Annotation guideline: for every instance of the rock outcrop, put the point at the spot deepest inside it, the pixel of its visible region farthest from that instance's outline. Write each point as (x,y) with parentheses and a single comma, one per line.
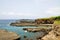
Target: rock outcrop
(54,34)
(5,35)
(37,29)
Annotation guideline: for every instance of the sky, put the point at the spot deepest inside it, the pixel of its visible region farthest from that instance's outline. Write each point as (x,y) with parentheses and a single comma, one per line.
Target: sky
(29,9)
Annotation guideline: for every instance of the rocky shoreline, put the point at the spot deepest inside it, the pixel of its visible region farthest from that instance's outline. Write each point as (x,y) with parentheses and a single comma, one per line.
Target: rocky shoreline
(37,29)
(36,22)
(30,24)
(5,35)
(47,34)
(54,34)
(43,31)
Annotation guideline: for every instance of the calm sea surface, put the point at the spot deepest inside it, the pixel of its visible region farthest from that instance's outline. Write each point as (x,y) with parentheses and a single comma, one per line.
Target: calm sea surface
(4,24)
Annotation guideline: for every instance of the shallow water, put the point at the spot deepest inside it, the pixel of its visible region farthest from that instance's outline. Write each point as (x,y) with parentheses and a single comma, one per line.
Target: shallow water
(4,24)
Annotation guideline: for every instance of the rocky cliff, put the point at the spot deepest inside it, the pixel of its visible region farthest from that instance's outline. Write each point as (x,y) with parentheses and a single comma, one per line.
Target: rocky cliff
(54,34)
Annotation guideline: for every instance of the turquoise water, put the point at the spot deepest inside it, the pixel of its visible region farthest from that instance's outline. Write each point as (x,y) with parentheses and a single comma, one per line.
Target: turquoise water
(4,24)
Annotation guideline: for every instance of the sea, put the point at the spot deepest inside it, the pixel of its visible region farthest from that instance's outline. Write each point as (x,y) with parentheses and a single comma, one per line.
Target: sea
(5,25)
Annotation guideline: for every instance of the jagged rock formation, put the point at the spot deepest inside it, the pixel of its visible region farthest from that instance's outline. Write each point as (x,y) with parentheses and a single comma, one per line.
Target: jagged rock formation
(47,20)
(54,34)
(44,21)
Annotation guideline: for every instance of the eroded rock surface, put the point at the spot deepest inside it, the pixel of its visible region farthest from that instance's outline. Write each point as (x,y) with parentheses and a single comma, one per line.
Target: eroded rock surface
(54,34)
(5,35)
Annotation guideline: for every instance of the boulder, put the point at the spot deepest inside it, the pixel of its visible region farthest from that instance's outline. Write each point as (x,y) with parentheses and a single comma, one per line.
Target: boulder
(5,35)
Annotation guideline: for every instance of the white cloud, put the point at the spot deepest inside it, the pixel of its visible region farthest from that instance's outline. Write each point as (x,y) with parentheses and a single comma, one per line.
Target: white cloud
(46,13)
(53,11)
(13,15)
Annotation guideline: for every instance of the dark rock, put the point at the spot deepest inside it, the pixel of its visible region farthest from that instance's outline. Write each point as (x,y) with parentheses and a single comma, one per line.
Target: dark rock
(39,37)
(24,29)
(25,36)
(17,39)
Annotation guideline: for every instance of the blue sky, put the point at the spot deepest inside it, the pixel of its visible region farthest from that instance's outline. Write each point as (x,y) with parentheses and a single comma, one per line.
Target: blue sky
(29,9)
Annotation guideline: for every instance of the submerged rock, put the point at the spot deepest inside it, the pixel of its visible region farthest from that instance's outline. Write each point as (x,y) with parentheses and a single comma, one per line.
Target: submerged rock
(5,35)
(25,36)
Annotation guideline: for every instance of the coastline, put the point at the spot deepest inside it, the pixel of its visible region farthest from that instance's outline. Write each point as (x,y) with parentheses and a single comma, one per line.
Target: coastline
(47,34)
(29,24)
(55,33)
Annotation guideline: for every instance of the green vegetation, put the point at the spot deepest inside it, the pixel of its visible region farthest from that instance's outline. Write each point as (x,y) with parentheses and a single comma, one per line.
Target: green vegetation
(55,18)
(57,22)
(47,20)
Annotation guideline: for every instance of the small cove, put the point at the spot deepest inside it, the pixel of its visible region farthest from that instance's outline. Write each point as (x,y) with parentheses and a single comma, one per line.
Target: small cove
(4,24)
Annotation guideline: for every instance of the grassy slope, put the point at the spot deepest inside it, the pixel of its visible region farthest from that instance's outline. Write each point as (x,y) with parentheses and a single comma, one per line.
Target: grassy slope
(57,22)
(51,19)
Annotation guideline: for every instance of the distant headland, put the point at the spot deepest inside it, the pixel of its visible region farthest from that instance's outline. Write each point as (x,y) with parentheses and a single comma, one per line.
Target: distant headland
(36,22)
